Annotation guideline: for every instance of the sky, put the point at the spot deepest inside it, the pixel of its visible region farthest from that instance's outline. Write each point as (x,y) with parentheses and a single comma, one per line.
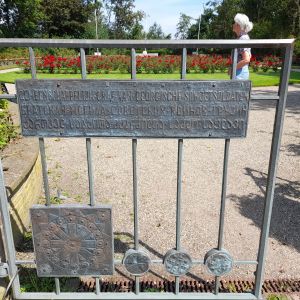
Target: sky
(167,12)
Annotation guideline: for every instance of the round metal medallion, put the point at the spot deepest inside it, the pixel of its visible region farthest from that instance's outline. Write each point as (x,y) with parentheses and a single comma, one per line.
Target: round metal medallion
(177,262)
(218,262)
(137,262)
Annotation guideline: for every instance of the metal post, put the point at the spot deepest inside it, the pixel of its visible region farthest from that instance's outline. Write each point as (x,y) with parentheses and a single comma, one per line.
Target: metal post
(134,175)
(234,57)
(222,207)
(88,141)
(57,286)
(183,64)
(98,290)
(32,63)
(8,236)
(44,170)
(273,162)
(178,206)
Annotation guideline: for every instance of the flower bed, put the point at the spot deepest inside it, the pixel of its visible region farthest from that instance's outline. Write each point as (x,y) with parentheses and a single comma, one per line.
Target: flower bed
(145,64)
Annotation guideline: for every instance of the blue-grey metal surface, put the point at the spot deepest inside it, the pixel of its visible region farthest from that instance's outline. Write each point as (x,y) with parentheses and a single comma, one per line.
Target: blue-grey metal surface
(218,262)
(137,262)
(8,238)
(150,44)
(287,45)
(177,262)
(212,109)
(272,171)
(72,240)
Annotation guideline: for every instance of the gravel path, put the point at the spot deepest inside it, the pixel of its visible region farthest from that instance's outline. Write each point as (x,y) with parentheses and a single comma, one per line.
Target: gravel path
(202,171)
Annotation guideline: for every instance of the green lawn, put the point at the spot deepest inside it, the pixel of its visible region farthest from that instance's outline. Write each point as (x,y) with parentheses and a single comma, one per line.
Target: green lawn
(258,79)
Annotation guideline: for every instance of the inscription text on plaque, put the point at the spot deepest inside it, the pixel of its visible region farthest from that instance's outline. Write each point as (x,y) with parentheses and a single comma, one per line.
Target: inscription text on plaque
(179,109)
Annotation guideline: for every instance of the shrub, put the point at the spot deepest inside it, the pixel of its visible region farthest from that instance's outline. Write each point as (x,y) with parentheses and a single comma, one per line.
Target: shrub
(7,129)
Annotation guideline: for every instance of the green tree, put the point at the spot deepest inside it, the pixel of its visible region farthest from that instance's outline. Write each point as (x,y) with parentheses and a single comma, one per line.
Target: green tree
(67,18)
(207,18)
(20,18)
(126,22)
(155,33)
(183,26)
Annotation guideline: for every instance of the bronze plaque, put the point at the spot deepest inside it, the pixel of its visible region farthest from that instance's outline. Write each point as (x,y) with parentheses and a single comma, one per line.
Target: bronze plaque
(72,240)
(101,108)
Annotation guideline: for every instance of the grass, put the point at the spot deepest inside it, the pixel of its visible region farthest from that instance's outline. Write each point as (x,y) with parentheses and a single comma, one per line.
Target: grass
(258,79)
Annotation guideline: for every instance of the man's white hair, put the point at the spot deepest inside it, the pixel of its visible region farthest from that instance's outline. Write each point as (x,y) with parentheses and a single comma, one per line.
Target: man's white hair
(244,22)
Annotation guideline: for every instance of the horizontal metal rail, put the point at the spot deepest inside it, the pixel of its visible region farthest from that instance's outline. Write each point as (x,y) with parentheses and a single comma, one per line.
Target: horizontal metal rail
(153,261)
(75,43)
(125,296)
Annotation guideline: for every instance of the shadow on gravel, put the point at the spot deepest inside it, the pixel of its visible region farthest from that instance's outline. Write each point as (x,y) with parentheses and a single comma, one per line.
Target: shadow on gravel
(292,104)
(285,223)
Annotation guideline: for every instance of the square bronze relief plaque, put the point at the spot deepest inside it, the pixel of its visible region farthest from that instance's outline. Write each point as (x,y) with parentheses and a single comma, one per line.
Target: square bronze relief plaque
(72,240)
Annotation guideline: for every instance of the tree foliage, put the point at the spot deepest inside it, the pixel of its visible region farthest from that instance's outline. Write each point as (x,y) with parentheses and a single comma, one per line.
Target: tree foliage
(67,17)
(155,32)
(126,22)
(20,18)
(183,26)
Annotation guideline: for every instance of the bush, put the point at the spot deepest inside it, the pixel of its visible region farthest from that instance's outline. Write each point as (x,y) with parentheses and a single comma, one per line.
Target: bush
(7,129)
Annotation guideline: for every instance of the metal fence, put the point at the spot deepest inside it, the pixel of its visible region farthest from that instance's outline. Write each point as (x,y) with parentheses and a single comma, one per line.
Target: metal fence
(12,263)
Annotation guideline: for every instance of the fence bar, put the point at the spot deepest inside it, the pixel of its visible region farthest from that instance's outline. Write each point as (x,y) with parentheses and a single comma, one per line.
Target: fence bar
(133,64)
(32,63)
(88,142)
(183,64)
(178,202)
(135,198)
(153,261)
(44,170)
(132,296)
(273,162)
(134,174)
(234,57)
(7,236)
(57,286)
(83,63)
(151,44)
(98,290)
(223,194)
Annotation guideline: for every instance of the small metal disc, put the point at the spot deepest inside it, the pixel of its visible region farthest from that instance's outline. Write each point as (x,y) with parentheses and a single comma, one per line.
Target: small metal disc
(177,262)
(218,262)
(136,262)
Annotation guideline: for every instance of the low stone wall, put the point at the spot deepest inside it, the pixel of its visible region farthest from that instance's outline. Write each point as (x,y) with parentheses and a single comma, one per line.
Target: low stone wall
(23,181)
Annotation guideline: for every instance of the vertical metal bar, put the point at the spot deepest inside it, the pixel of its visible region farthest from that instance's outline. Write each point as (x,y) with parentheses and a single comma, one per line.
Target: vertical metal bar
(133,64)
(135,198)
(90,171)
(98,290)
(57,286)
(183,64)
(32,63)
(222,207)
(44,170)
(134,175)
(83,63)
(88,141)
(234,57)
(223,194)
(272,171)
(178,205)
(179,176)
(224,178)
(178,201)
(8,236)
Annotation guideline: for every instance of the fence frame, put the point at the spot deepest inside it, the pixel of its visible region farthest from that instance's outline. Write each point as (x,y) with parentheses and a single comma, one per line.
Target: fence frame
(285,44)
